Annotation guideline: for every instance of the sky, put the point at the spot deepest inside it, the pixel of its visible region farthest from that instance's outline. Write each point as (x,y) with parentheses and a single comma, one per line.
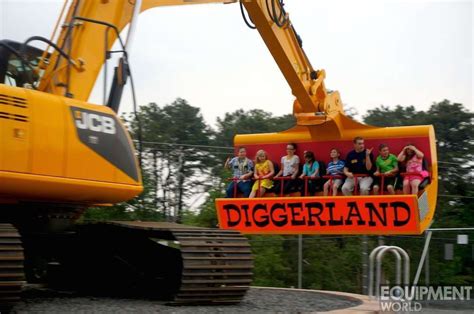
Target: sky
(375,52)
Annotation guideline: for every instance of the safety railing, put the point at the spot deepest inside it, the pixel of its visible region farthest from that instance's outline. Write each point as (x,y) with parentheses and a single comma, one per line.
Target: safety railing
(306,181)
(282,183)
(382,177)
(331,178)
(259,180)
(376,256)
(236,181)
(356,179)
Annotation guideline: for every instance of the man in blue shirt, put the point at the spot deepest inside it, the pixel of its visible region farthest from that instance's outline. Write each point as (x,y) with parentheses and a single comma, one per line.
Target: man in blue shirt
(242,169)
(360,162)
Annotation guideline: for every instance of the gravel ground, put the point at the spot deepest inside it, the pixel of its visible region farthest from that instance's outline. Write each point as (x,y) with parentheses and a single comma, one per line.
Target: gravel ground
(256,301)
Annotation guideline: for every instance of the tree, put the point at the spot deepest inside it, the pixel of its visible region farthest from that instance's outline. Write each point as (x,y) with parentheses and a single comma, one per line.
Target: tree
(248,122)
(384,116)
(171,154)
(142,207)
(270,265)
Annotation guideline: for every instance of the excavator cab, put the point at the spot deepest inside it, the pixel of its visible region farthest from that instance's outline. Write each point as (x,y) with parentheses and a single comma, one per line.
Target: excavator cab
(18,64)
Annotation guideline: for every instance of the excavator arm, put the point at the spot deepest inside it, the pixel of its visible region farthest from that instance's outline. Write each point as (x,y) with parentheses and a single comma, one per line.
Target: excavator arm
(87,34)
(91,28)
(312,99)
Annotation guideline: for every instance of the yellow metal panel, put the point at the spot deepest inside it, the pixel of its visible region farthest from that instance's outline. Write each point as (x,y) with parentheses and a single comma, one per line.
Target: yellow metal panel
(15,117)
(15,158)
(323,132)
(23,186)
(48,138)
(2,144)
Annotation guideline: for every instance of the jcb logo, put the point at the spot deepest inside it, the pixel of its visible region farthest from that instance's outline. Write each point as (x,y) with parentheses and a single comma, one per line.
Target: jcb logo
(94,122)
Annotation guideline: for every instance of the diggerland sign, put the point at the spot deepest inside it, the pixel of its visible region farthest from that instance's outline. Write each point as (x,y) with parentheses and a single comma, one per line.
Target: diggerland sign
(394,214)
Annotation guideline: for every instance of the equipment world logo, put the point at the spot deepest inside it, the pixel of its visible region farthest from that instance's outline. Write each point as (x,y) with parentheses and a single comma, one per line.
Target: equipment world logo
(412,299)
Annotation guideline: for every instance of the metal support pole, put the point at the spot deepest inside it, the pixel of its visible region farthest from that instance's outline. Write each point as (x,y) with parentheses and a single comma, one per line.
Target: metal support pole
(380,241)
(300,261)
(423,256)
(374,252)
(398,271)
(427,268)
(305,186)
(365,265)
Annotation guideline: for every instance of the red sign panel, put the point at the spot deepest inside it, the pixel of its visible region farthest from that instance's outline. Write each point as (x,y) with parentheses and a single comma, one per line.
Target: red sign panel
(387,214)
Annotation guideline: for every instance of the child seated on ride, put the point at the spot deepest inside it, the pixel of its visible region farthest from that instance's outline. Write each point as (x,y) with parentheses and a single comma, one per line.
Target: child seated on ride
(387,165)
(289,169)
(335,168)
(242,171)
(413,158)
(311,171)
(264,170)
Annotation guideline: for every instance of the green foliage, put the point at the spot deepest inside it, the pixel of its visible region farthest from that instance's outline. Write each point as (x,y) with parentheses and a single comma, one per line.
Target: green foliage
(399,116)
(332,264)
(249,122)
(142,207)
(207,216)
(270,265)
(171,158)
(178,122)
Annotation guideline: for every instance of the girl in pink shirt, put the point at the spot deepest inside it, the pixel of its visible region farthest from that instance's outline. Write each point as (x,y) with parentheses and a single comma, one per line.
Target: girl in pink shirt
(413,159)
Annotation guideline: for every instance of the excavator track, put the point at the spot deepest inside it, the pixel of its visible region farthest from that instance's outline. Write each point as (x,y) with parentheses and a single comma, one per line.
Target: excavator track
(217,266)
(191,265)
(12,277)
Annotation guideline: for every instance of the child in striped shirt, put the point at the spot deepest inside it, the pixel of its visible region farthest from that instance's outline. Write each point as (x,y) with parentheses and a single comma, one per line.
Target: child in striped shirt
(334,168)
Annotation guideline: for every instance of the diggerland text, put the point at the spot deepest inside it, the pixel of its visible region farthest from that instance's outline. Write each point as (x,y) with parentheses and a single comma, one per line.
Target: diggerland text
(320,215)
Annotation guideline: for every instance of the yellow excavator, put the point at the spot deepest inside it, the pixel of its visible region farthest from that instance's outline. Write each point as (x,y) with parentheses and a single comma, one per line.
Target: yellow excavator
(61,154)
